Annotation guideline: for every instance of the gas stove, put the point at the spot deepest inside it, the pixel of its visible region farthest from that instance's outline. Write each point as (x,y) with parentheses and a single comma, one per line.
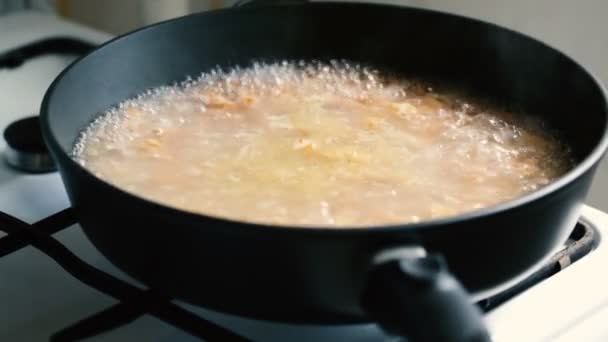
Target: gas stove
(54,285)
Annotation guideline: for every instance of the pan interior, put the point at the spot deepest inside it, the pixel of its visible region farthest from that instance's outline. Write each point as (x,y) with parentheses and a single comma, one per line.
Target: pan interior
(513,70)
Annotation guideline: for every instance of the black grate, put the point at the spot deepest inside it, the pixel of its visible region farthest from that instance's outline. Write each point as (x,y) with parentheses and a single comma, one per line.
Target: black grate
(582,240)
(135,302)
(14,58)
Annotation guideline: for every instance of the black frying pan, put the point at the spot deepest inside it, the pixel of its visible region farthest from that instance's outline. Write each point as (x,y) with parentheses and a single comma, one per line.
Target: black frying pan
(395,275)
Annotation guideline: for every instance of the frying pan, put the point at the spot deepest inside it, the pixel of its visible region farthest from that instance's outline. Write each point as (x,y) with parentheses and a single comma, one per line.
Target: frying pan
(415,280)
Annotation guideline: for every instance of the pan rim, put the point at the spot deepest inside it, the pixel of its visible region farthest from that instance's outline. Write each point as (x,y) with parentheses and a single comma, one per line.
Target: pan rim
(571,176)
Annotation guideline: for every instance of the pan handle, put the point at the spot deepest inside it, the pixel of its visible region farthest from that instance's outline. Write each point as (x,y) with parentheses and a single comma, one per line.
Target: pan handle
(249,3)
(412,294)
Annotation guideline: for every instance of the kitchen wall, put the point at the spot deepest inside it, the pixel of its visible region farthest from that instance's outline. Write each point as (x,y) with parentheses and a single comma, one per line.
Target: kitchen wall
(578,28)
(120,16)
(17,5)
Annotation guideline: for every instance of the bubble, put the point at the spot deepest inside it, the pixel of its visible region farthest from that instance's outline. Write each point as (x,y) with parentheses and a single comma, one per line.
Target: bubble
(461,137)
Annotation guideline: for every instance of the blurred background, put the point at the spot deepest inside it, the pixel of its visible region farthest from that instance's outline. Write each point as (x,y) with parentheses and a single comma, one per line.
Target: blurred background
(579,28)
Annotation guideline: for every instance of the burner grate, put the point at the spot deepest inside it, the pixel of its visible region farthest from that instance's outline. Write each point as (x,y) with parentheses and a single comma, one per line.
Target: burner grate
(56,45)
(582,240)
(135,302)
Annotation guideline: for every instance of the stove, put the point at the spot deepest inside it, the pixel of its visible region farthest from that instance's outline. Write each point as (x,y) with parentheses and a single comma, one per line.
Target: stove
(54,285)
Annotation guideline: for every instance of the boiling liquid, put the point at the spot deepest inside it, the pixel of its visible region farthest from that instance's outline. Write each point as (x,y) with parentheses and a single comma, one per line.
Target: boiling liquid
(318,144)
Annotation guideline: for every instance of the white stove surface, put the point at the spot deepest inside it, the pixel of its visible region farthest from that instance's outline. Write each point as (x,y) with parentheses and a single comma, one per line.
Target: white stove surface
(38,298)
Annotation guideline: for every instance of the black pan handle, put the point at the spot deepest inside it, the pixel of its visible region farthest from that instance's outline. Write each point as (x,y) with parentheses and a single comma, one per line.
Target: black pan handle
(249,3)
(413,295)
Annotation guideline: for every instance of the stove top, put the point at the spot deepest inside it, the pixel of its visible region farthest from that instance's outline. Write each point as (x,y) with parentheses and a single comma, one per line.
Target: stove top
(54,283)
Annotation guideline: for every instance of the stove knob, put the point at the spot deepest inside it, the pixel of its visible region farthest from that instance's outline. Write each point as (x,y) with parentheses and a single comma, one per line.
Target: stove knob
(26,150)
